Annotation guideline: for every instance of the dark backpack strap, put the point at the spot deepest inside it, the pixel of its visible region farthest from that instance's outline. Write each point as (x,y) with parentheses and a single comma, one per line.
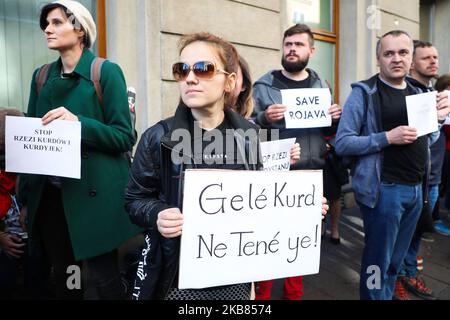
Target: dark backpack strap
(42,76)
(96,73)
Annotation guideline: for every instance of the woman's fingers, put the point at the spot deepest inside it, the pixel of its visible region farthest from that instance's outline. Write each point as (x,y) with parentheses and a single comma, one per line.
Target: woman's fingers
(60,113)
(170,222)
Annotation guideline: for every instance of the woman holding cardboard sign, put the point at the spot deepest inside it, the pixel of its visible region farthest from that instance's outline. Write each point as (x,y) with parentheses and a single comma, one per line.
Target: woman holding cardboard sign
(206,75)
(81,220)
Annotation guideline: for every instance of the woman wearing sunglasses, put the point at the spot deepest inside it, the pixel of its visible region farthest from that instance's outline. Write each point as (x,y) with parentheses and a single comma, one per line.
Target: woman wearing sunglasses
(206,75)
(81,219)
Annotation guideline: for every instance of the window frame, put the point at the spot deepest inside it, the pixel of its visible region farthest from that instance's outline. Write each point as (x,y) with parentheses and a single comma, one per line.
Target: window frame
(332,37)
(101,29)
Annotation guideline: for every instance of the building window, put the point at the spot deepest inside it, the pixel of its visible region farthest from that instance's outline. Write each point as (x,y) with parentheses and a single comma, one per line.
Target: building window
(23,47)
(322,17)
(427,20)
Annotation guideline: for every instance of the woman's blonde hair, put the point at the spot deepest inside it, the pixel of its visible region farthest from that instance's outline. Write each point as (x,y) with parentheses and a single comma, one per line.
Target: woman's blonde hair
(244,101)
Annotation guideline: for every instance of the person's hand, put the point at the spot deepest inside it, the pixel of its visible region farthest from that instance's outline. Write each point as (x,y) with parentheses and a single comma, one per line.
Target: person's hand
(295,153)
(442,106)
(23,218)
(325,207)
(11,244)
(401,135)
(335,111)
(170,222)
(60,113)
(275,112)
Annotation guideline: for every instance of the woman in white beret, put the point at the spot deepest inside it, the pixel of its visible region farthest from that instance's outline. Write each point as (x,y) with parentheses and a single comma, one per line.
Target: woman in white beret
(81,220)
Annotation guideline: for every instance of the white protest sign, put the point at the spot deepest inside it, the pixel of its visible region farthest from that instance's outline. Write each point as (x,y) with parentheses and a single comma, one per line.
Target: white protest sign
(307,108)
(276,155)
(54,149)
(245,226)
(422,113)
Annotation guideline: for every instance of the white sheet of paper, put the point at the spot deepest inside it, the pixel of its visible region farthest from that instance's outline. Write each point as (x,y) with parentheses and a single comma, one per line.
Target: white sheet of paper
(266,226)
(54,149)
(422,113)
(276,154)
(307,108)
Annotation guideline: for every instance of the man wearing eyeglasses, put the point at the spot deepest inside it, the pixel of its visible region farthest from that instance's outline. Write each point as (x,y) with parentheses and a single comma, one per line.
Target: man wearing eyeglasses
(389,165)
(298,47)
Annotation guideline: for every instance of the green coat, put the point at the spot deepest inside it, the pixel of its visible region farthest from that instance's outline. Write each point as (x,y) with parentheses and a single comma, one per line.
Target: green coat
(94,204)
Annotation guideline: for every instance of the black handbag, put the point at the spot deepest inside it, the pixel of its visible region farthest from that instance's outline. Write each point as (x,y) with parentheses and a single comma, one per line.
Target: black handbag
(338,169)
(425,222)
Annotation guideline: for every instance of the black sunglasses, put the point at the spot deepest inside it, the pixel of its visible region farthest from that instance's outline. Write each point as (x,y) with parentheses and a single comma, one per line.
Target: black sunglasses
(202,70)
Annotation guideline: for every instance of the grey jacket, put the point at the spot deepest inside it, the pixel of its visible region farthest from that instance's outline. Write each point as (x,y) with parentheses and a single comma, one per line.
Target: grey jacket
(360,136)
(266,91)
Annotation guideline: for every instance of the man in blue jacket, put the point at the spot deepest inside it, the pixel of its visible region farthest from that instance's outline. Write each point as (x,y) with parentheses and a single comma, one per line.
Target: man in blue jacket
(389,163)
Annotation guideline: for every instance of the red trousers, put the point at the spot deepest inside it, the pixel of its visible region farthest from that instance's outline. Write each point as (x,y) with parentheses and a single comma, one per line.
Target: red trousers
(293,289)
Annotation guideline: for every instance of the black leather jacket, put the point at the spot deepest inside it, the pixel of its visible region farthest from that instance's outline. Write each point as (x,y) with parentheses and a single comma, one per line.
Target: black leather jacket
(155,185)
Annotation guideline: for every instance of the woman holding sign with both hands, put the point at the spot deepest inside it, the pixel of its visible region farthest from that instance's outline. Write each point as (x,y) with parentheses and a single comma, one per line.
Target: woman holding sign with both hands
(81,220)
(206,76)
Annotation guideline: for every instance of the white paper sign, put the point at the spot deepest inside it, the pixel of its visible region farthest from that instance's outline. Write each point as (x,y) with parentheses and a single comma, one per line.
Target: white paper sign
(307,108)
(276,154)
(422,113)
(245,226)
(54,149)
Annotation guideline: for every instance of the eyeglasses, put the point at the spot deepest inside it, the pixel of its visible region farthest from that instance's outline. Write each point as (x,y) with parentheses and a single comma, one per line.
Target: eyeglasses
(202,70)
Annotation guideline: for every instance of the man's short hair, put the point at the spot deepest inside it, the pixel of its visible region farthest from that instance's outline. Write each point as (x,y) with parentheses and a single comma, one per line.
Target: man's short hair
(394,33)
(421,44)
(300,28)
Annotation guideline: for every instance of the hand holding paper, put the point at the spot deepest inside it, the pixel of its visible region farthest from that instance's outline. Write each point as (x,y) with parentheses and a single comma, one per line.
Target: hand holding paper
(335,111)
(60,113)
(170,222)
(295,153)
(275,112)
(401,135)
(447,119)
(443,105)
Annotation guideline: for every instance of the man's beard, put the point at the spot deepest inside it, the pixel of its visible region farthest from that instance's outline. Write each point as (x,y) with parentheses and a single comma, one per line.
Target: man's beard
(294,66)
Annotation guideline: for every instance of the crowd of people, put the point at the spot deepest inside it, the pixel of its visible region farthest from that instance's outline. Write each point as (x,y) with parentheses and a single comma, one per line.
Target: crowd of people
(50,223)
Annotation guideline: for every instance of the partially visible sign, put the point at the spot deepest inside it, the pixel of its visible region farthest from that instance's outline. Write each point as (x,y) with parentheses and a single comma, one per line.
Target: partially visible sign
(276,154)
